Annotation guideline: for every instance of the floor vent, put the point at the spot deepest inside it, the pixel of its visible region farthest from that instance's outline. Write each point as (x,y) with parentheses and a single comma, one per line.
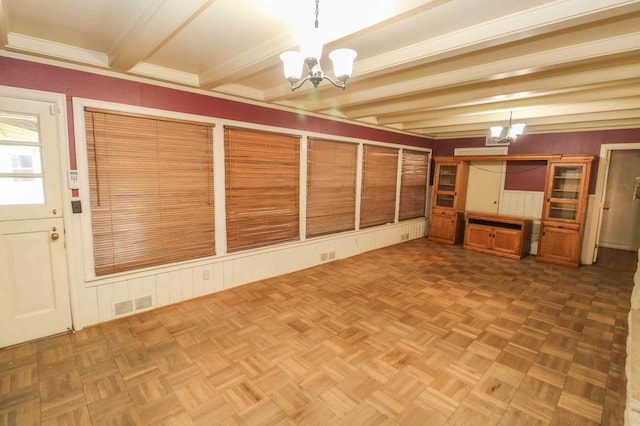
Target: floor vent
(132,305)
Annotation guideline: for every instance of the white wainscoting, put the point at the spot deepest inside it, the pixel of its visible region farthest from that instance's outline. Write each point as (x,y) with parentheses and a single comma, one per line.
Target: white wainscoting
(168,285)
(524,204)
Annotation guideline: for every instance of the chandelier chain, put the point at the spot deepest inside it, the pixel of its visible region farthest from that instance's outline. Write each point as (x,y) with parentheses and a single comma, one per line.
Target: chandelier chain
(317,12)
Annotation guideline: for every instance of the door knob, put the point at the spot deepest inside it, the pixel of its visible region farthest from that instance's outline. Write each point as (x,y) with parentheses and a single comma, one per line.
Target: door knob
(55,236)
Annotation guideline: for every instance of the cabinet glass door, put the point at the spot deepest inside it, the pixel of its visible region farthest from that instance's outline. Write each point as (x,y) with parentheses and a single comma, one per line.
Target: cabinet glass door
(446,188)
(447,178)
(566,182)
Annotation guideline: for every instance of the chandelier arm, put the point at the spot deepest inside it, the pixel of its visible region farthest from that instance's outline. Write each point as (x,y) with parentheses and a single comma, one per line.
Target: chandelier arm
(295,86)
(342,85)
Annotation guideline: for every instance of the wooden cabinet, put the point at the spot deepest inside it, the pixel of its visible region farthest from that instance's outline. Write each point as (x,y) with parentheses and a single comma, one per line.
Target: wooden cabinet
(563,215)
(446,226)
(446,223)
(499,235)
(559,243)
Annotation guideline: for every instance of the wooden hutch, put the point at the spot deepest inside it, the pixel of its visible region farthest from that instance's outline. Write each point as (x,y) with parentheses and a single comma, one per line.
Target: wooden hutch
(563,213)
(446,223)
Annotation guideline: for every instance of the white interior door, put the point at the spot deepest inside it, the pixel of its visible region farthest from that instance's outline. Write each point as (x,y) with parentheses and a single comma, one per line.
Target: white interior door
(483,189)
(34,288)
(621,211)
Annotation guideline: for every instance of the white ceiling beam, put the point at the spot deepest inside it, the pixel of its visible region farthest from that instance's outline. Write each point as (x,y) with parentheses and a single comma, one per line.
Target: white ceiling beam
(527,63)
(58,51)
(155,25)
(591,121)
(5,24)
(267,54)
(528,23)
(562,82)
(600,92)
(264,55)
(548,111)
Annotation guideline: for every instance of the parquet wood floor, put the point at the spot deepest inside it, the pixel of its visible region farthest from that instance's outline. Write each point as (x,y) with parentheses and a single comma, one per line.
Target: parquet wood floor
(618,259)
(415,334)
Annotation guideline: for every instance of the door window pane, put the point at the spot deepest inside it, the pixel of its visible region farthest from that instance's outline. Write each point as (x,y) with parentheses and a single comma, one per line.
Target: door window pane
(21,180)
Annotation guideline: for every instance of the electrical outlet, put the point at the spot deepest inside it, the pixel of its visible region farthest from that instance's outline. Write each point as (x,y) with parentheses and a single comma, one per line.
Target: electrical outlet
(205,274)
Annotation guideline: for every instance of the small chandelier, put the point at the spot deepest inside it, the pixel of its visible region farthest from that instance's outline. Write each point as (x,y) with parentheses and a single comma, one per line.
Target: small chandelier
(509,135)
(309,55)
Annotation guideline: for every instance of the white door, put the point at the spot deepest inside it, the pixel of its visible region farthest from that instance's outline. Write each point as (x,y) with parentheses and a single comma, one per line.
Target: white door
(34,288)
(483,189)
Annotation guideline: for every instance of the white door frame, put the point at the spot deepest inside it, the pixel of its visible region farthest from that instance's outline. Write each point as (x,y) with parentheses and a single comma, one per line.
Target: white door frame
(60,103)
(594,218)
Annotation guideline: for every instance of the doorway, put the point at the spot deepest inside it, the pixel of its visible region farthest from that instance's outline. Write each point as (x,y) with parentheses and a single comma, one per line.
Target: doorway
(618,236)
(34,285)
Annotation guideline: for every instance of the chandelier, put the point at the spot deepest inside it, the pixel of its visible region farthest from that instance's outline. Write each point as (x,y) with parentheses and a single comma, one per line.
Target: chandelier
(510,134)
(309,55)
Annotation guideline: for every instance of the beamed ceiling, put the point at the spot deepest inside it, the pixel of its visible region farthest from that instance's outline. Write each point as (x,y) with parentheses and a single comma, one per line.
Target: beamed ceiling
(440,68)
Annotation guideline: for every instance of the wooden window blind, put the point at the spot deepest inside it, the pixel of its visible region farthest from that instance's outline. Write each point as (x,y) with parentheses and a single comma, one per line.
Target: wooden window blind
(262,188)
(331,186)
(379,177)
(413,184)
(151,185)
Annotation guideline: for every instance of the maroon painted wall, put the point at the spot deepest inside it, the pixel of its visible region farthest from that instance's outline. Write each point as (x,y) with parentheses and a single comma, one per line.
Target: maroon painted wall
(530,175)
(73,83)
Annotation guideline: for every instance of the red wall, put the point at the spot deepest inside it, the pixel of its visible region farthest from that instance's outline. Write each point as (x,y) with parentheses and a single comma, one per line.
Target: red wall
(527,176)
(530,175)
(32,75)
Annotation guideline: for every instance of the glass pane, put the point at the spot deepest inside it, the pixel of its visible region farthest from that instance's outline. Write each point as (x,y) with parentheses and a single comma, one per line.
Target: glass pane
(20,159)
(447,178)
(18,127)
(563,211)
(443,200)
(20,156)
(21,190)
(566,182)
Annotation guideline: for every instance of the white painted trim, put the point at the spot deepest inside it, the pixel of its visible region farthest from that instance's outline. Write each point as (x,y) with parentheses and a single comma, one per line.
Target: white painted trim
(50,48)
(302,185)
(359,161)
(155,71)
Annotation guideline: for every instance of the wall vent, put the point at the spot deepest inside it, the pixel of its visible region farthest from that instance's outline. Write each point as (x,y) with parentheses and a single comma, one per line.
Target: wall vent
(328,256)
(123,308)
(132,305)
(144,302)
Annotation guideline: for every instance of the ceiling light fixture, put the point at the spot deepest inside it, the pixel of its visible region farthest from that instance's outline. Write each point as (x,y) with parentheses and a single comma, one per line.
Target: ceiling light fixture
(309,55)
(510,135)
